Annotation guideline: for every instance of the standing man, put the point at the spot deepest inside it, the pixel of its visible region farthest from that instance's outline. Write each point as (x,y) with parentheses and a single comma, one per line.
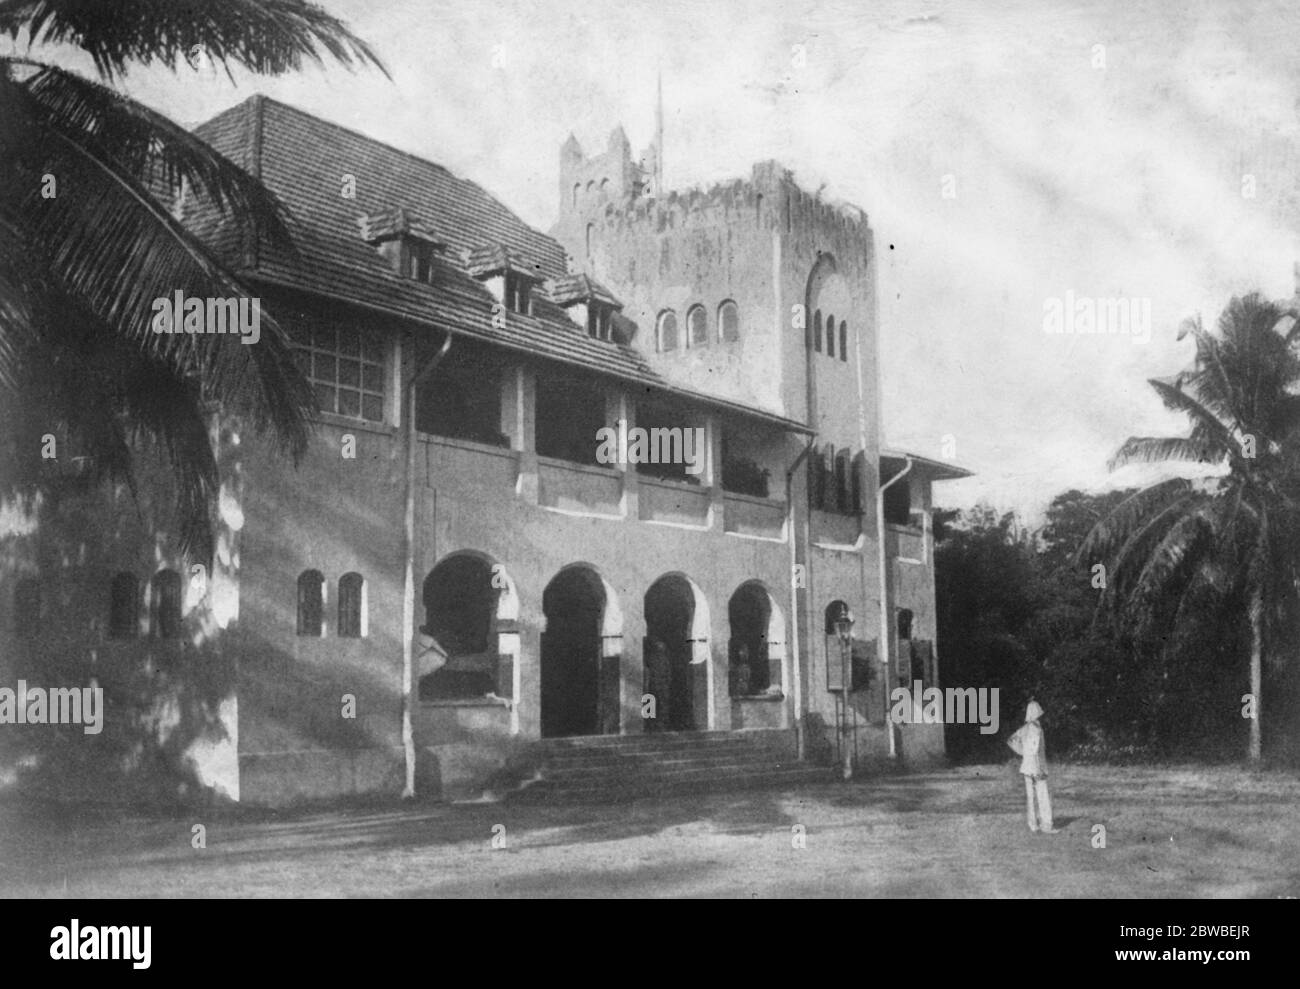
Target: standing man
(1028,743)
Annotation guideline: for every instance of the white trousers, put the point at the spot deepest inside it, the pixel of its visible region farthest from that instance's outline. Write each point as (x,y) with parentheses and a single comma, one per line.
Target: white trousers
(1040,817)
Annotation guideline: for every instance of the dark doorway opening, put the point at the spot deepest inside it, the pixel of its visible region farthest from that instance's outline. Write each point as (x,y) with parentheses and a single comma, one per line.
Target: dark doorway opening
(749,613)
(460,610)
(670,675)
(574,604)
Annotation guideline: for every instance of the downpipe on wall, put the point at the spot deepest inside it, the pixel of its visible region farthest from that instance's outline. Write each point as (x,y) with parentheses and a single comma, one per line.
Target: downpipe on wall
(421,375)
(890,728)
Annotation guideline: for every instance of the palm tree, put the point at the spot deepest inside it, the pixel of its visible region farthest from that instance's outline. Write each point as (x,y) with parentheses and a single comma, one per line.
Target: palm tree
(1181,545)
(87,241)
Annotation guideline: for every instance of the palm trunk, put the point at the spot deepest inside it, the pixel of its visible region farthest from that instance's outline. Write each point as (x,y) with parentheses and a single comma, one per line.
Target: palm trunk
(1256,669)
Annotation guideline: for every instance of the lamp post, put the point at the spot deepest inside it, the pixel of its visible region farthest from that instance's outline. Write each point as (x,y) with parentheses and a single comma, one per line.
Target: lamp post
(844,632)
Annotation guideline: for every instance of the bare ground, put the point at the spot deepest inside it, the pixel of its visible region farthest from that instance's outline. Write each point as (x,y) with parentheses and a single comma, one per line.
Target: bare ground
(1219,832)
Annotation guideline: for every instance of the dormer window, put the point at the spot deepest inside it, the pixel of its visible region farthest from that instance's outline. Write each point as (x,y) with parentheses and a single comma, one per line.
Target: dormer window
(419,259)
(600,320)
(589,304)
(508,276)
(519,293)
(409,245)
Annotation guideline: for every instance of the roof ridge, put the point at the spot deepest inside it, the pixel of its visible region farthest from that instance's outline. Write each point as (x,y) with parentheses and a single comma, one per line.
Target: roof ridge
(264,99)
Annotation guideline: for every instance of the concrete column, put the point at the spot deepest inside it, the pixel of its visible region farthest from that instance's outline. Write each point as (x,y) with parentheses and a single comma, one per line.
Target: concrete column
(619,407)
(523,432)
(528,671)
(632,668)
(713,472)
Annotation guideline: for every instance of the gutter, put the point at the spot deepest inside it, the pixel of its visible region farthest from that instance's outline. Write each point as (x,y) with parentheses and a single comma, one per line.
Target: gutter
(795,659)
(885,624)
(421,374)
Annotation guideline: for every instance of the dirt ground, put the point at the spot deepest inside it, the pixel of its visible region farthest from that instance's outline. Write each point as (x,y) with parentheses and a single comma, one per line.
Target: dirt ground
(961,833)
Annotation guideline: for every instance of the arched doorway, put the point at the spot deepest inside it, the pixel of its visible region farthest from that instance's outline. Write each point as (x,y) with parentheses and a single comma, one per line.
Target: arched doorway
(581,647)
(467,638)
(756,646)
(676,654)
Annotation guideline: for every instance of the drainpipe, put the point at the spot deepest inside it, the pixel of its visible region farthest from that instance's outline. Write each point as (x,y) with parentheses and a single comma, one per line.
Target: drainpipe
(408,581)
(797,676)
(885,625)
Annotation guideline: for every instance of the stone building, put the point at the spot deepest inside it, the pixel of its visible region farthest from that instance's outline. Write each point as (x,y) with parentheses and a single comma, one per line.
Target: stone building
(542,592)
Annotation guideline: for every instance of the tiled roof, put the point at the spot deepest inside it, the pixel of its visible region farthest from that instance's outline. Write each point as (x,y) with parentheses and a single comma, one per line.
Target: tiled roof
(308,163)
(394,223)
(936,470)
(581,288)
(491,258)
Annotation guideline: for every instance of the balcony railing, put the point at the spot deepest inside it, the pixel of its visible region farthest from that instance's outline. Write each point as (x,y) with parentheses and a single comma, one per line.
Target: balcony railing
(574,487)
(673,501)
(750,516)
(904,542)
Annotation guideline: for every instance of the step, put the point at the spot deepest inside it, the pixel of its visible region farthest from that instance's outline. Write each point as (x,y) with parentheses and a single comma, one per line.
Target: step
(631,789)
(567,770)
(628,755)
(751,736)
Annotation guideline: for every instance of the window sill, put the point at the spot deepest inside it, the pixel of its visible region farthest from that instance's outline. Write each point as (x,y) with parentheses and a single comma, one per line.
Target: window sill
(577,467)
(489,700)
(907,530)
(764,698)
(459,443)
(345,422)
(672,484)
(765,501)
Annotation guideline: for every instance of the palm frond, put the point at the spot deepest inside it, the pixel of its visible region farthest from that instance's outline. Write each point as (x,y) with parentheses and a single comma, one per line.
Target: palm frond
(116,250)
(1208,428)
(268,37)
(1113,530)
(1167,566)
(151,148)
(1165,449)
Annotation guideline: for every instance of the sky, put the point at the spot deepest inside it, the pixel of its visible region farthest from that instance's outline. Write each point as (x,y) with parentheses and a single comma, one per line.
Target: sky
(1007,154)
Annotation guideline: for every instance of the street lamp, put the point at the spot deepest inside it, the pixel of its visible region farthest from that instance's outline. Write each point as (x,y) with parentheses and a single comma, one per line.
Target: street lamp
(843,623)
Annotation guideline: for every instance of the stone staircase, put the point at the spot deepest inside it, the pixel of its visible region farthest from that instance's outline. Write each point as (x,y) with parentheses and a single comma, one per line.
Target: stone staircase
(601,768)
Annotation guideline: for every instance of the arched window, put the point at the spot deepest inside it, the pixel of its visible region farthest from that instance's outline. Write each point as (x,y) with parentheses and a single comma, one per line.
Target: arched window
(844,340)
(124,606)
(817,331)
(460,609)
(311,603)
(668,331)
(834,611)
(352,606)
(697,325)
(27,607)
(729,322)
(904,623)
(165,604)
(577,188)
(830,336)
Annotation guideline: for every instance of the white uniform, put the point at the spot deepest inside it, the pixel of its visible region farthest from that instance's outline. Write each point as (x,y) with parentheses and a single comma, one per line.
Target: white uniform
(1028,744)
